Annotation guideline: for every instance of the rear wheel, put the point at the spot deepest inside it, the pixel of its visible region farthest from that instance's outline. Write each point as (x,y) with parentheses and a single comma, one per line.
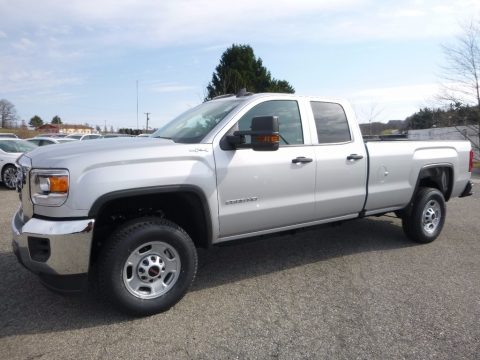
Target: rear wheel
(9,176)
(147,266)
(425,220)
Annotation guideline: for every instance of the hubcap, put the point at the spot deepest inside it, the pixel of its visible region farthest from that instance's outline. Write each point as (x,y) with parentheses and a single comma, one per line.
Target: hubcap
(432,214)
(10,177)
(151,270)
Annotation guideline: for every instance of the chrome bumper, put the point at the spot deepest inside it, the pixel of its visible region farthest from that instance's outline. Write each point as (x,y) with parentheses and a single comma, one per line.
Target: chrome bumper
(53,247)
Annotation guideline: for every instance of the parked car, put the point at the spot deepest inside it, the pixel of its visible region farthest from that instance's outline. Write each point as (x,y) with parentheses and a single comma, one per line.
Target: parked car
(52,135)
(108,136)
(8,136)
(42,141)
(10,150)
(84,136)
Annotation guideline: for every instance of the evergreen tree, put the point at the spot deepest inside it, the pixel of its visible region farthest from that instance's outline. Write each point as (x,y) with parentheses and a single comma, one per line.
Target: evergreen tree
(56,120)
(239,68)
(36,121)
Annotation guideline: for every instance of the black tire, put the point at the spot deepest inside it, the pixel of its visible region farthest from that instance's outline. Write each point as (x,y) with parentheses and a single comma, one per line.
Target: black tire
(119,281)
(424,221)
(7,172)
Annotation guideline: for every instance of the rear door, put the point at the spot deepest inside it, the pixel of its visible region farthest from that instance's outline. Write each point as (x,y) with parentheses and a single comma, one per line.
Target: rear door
(341,173)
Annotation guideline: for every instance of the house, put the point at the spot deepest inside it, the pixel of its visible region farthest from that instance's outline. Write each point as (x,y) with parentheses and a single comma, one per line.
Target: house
(65,129)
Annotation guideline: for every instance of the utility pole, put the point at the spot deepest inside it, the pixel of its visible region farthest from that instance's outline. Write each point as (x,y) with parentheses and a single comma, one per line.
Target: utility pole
(137,104)
(147,113)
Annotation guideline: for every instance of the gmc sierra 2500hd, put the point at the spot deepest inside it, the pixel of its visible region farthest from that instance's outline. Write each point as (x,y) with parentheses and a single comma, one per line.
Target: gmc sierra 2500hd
(128,214)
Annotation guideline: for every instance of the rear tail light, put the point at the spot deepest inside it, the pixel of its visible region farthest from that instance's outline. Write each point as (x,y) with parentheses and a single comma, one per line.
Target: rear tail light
(470,164)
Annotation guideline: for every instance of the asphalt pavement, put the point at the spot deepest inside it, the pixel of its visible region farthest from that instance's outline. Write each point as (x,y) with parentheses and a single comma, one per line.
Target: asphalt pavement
(356,291)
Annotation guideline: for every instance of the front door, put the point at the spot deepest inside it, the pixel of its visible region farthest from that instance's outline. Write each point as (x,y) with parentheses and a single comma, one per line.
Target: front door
(261,190)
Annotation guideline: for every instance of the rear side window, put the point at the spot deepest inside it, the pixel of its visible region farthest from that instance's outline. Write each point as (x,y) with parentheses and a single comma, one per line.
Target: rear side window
(331,122)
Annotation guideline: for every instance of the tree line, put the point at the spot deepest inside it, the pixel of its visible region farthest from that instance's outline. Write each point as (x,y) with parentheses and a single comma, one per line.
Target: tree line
(10,119)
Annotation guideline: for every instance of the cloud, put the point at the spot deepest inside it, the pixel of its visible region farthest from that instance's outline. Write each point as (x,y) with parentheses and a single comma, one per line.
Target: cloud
(83,27)
(396,94)
(171,87)
(24,44)
(19,79)
(3,35)
(146,23)
(394,102)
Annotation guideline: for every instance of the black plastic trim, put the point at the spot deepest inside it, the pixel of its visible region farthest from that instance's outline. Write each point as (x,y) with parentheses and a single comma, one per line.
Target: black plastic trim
(362,213)
(49,218)
(468,190)
(433,166)
(115,195)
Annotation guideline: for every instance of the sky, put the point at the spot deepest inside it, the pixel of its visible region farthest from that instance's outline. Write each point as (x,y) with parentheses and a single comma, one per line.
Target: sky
(82,59)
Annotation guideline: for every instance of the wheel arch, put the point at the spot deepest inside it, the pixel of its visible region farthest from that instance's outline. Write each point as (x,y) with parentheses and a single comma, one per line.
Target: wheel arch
(185,205)
(438,176)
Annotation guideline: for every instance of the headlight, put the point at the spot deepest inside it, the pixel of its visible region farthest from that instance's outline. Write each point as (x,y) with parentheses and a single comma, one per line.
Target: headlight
(49,187)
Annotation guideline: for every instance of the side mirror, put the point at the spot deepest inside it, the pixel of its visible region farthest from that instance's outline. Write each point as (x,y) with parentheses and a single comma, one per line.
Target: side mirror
(263,132)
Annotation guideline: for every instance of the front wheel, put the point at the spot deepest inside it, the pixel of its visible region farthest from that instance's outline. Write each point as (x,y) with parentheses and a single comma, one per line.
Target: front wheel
(147,266)
(424,222)
(9,176)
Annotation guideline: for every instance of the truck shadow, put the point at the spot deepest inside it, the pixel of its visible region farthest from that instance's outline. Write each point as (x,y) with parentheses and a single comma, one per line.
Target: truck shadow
(26,307)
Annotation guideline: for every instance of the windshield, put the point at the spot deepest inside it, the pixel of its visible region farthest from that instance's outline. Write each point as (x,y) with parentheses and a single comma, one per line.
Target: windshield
(16,146)
(193,125)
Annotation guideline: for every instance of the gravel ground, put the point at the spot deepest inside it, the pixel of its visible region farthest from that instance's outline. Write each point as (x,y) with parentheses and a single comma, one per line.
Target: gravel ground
(356,291)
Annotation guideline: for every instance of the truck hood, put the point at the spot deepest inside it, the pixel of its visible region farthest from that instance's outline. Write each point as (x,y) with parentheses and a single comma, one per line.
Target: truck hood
(93,153)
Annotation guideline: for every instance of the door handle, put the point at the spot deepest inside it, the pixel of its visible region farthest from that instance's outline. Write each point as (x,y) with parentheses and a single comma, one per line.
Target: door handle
(302,159)
(354,157)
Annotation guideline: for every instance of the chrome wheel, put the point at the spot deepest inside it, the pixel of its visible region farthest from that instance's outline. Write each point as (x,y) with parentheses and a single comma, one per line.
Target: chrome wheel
(9,176)
(432,214)
(151,270)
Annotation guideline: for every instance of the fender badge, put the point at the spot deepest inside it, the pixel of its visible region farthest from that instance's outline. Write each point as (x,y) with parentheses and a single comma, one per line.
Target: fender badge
(240,201)
(198,149)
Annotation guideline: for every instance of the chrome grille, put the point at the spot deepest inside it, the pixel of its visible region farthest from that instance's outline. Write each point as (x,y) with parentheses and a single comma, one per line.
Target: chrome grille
(23,186)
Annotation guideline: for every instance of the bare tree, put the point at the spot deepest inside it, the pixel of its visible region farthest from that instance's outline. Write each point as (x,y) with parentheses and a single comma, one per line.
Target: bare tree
(461,74)
(8,113)
(370,114)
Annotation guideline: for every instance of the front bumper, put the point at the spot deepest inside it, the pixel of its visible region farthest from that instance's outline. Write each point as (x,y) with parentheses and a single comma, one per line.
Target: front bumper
(49,247)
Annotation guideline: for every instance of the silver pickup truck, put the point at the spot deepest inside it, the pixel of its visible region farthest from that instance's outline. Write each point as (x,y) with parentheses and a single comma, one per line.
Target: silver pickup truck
(127,214)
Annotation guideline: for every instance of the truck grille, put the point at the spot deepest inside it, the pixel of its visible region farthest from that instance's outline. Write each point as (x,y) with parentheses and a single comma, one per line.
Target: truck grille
(23,187)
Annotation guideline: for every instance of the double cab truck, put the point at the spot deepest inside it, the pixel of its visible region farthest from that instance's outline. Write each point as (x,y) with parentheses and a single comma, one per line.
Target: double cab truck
(128,214)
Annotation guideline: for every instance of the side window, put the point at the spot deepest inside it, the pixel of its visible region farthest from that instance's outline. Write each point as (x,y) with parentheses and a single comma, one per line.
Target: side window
(331,122)
(289,121)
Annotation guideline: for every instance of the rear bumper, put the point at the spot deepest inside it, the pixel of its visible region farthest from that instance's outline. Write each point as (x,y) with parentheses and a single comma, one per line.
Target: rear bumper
(50,248)
(468,190)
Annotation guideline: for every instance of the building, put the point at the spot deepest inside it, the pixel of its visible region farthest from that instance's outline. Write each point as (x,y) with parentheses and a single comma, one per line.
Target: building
(65,129)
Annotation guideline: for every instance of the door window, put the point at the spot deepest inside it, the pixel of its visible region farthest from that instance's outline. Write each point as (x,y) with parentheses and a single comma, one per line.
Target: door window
(331,123)
(289,121)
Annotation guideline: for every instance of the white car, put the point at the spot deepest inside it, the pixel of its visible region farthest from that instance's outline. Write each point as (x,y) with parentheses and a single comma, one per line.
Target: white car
(10,150)
(8,135)
(42,141)
(83,136)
